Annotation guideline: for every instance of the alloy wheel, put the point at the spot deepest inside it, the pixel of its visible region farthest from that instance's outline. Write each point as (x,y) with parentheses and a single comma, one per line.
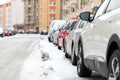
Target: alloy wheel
(72,54)
(79,59)
(65,46)
(114,69)
(73,57)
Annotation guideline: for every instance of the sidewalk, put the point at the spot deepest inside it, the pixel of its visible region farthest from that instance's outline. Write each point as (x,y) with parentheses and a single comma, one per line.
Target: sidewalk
(46,62)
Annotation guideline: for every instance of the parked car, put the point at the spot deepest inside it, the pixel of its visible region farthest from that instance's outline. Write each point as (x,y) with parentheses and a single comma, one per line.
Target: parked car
(1,32)
(21,31)
(71,41)
(44,32)
(32,31)
(7,32)
(55,36)
(53,27)
(13,30)
(99,44)
(64,32)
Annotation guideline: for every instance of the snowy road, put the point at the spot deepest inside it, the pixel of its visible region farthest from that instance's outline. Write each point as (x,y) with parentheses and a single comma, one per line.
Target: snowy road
(14,51)
(46,62)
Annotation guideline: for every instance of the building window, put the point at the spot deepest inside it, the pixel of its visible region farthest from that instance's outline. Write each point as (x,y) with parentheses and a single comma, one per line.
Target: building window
(52,3)
(73,10)
(52,11)
(67,12)
(29,10)
(29,18)
(29,1)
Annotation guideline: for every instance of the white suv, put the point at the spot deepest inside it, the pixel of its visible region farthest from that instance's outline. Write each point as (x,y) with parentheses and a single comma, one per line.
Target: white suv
(99,47)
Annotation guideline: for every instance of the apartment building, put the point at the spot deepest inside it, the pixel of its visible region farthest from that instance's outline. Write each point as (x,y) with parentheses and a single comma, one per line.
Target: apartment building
(48,10)
(17,14)
(31,14)
(5,15)
(72,8)
(0,16)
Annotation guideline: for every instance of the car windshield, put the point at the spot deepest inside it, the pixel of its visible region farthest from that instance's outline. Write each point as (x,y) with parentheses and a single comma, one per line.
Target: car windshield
(67,26)
(73,25)
(70,26)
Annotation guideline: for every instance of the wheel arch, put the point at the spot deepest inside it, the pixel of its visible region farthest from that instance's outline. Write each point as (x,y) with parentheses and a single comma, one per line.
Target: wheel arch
(80,41)
(72,45)
(113,44)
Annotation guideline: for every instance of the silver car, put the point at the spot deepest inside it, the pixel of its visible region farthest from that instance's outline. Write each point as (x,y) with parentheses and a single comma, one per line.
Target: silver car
(72,40)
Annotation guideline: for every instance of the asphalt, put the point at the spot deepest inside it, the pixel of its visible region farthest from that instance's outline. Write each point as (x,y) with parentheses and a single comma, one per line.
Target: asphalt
(14,51)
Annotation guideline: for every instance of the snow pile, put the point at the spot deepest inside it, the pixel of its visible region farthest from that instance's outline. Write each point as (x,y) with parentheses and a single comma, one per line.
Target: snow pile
(44,55)
(46,62)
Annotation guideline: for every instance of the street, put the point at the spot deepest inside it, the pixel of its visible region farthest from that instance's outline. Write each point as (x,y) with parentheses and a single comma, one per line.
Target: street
(20,59)
(14,51)
(46,62)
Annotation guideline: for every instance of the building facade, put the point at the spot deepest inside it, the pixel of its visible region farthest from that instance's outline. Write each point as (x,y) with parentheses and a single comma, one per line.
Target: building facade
(17,12)
(5,15)
(31,14)
(72,8)
(48,10)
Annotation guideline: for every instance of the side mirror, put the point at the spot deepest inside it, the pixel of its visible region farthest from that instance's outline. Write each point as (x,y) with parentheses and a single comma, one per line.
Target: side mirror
(71,28)
(85,16)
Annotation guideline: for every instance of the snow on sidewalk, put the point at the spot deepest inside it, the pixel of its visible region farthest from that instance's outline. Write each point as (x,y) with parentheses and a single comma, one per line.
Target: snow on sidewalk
(46,62)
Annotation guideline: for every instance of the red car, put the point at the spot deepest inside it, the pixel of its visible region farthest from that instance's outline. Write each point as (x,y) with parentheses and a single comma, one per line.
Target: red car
(63,33)
(7,32)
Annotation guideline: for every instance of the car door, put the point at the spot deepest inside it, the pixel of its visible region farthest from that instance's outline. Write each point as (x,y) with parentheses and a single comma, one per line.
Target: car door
(92,37)
(77,33)
(69,38)
(102,29)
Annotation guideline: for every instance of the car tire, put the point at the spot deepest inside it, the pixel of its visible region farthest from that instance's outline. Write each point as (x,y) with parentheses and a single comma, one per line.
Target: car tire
(66,54)
(114,66)
(82,70)
(59,47)
(2,35)
(49,39)
(63,45)
(73,57)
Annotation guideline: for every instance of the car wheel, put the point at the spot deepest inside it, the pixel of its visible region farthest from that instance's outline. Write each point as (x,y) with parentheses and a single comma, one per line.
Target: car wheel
(73,57)
(63,45)
(82,70)
(66,54)
(114,66)
(2,35)
(49,39)
(59,47)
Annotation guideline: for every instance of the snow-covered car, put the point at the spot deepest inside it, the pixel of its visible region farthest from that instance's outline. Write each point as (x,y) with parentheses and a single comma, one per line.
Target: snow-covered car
(1,32)
(53,27)
(99,46)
